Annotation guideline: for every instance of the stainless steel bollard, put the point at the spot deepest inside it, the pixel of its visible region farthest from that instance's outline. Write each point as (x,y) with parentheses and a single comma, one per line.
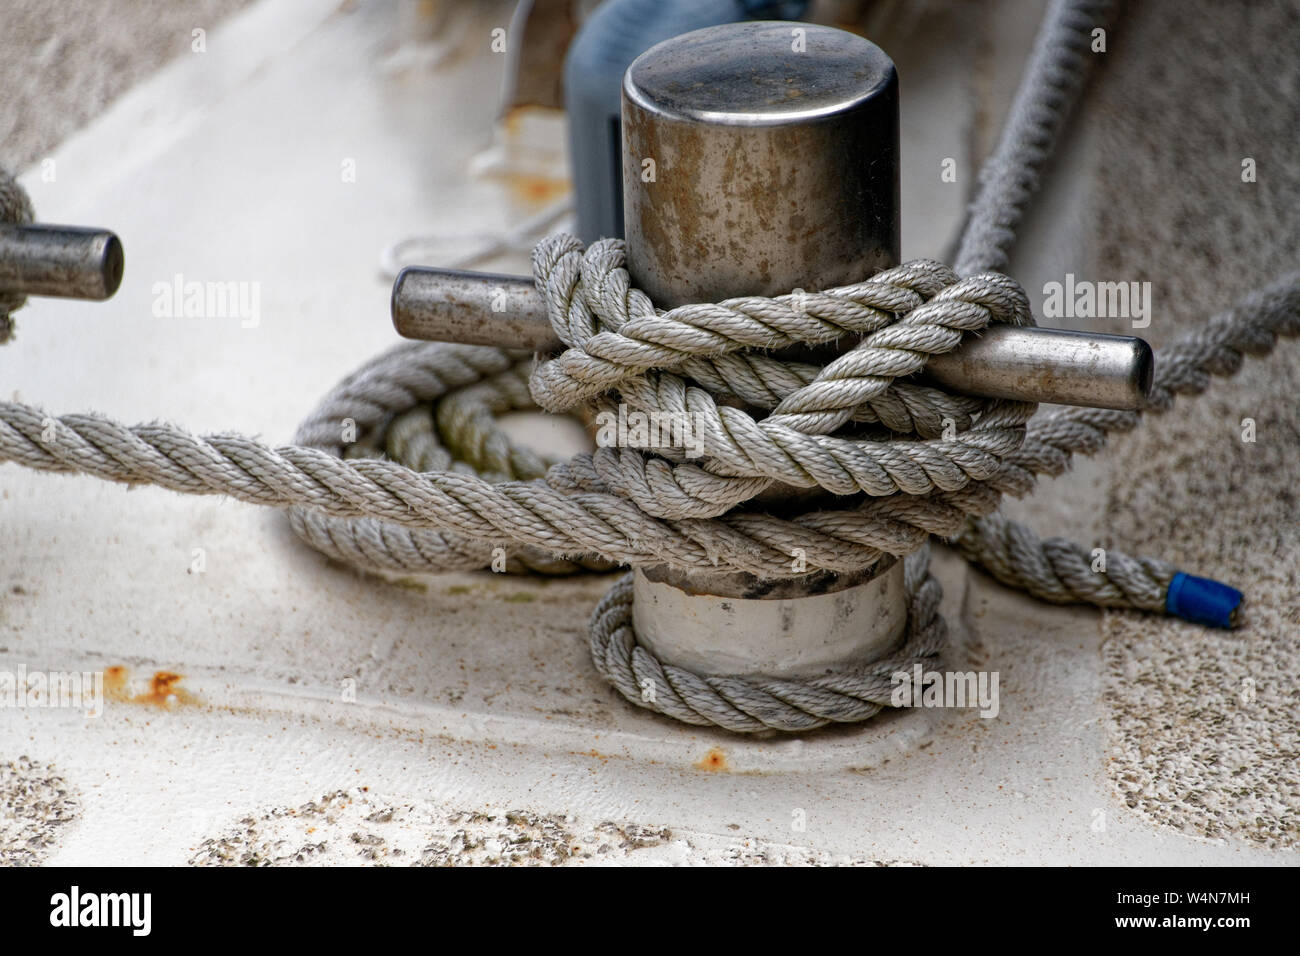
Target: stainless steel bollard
(760,158)
(69,262)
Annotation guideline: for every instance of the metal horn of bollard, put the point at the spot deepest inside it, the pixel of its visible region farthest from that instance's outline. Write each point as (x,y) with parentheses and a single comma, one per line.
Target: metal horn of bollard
(760,158)
(1024,363)
(69,262)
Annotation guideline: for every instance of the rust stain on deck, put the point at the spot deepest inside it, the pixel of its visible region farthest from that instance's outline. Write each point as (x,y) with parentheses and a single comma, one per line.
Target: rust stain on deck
(164,690)
(715,761)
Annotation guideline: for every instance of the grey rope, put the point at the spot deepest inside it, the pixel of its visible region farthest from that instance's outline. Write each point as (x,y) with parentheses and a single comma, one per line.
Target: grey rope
(1053,80)
(1058,570)
(1055,569)
(351,492)
(745,705)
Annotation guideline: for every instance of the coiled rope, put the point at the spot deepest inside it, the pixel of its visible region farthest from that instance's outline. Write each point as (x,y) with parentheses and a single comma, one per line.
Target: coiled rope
(402,467)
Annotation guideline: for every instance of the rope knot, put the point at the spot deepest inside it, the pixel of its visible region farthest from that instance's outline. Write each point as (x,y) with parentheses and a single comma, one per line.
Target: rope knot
(707,369)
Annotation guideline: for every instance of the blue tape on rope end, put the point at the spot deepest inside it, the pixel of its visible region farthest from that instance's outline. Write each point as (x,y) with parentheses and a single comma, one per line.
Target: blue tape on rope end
(1202,601)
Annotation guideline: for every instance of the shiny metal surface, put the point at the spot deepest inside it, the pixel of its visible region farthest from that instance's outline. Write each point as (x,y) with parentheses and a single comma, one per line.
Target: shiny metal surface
(473,308)
(759,158)
(69,262)
(1049,365)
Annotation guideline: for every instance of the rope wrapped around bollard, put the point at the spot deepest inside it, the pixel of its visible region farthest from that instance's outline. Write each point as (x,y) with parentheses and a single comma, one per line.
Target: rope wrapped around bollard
(928,460)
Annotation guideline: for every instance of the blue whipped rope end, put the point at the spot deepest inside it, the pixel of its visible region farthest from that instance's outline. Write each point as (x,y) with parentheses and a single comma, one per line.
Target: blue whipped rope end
(1203,601)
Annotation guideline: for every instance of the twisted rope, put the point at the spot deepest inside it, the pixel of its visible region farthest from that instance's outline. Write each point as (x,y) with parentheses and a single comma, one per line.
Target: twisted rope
(613,330)
(1059,571)
(746,705)
(377,513)
(1058,67)
(621,505)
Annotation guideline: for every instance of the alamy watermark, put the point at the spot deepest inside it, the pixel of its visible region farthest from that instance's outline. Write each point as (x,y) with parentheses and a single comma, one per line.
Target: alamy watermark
(133,911)
(1082,299)
(181,299)
(651,430)
(922,688)
(24,689)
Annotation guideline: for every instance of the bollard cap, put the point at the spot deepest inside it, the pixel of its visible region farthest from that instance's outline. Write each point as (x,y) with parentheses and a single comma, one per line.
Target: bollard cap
(759,157)
(759,74)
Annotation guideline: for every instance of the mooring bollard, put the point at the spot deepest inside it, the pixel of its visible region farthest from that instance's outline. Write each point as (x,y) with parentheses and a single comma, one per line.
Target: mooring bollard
(760,158)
